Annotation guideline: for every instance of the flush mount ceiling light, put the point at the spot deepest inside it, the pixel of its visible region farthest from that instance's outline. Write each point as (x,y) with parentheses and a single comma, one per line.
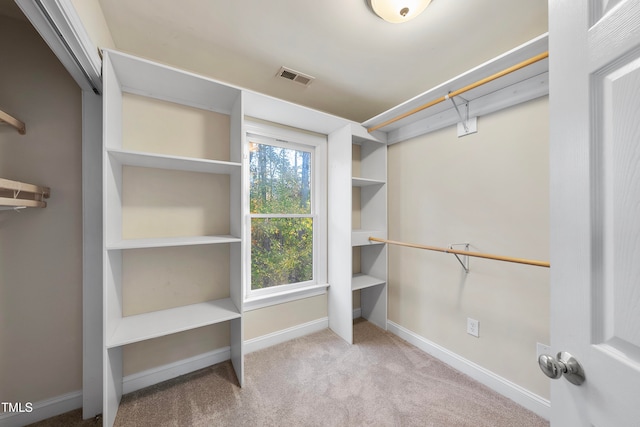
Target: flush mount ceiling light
(397,11)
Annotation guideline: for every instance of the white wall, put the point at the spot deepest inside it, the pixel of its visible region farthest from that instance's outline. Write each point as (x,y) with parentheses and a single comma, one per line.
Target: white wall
(490,189)
(90,12)
(40,249)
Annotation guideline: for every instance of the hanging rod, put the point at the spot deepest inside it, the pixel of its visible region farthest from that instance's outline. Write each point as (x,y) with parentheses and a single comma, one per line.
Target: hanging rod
(4,117)
(455,251)
(463,90)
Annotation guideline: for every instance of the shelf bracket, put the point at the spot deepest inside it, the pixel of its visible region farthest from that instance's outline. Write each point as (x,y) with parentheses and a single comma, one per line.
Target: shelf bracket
(467,125)
(464,262)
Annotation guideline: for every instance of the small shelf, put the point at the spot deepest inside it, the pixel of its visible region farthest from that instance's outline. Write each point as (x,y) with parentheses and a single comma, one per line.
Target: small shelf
(362,281)
(360,237)
(365,182)
(17,195)
(163,242)
(162,161)
(156,324)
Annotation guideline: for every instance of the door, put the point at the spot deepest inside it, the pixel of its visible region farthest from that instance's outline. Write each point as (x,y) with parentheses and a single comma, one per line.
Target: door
(595,208)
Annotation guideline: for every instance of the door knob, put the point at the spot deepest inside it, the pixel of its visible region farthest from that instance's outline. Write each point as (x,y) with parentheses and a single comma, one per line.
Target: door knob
(565,364)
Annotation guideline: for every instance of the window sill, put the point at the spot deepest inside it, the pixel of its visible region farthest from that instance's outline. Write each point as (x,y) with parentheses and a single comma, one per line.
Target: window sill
(282,297)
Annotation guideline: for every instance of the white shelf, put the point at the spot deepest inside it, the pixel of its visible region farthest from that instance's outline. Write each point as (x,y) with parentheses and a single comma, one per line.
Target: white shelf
(513,88)
(161,161)
(156,324)
(361,237)
(147,78)
(163,242)
(365,182)
(361,281)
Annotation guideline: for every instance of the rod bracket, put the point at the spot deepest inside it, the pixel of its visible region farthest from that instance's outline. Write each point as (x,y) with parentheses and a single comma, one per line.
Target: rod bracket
(464,261)
(466,125)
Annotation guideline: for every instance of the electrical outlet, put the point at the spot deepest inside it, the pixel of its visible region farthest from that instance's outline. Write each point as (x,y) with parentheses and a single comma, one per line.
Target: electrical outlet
(542,349)
(473,327)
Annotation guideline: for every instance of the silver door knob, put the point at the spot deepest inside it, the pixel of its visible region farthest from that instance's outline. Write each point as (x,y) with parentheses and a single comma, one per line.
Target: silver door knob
(565,364)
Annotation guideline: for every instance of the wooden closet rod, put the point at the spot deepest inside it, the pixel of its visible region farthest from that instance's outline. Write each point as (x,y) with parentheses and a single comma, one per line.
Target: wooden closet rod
(4,117)
(455,251)
(463,90)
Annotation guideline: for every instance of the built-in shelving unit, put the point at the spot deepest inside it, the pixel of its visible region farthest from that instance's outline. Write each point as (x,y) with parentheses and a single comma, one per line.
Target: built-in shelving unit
(359,211)
(158,202)
(173,203)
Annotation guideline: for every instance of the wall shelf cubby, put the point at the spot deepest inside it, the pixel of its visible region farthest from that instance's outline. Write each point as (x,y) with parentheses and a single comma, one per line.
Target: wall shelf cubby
(172,171)
(358,158)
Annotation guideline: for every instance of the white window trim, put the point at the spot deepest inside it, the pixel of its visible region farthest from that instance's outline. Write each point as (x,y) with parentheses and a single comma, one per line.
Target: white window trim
(284,293)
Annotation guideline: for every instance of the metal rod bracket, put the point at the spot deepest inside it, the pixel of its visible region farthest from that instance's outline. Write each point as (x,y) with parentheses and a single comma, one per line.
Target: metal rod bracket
(466,125)
(464,262)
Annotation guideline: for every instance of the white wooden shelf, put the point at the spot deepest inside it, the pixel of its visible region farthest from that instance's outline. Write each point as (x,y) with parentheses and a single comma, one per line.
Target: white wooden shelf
(143,77)
(365,182)
(362,281)
(360,237)
(522,85)
(156,324)
(161,161)
(163,242)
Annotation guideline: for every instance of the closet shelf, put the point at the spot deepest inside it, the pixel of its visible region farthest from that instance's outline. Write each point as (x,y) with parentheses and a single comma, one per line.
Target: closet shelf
(156,324)
(361,237)
(162,161)
(16,194)
(362,281)
(163,242)
(516,76)
(365,182)
(12,121)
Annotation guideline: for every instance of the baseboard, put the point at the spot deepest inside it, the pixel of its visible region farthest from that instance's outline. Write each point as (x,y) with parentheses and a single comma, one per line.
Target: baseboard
(59,405)
(518,394)
(285,335)
(42,410)
(166,372)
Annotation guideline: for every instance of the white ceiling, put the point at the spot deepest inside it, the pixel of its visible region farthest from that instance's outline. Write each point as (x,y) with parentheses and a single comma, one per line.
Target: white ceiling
(362,64)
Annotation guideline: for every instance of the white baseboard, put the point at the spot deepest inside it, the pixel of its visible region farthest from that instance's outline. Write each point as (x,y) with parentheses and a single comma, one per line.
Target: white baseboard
(59,405)
(42,410)
(285,335)
(518,394)
(156,375)
(166,372)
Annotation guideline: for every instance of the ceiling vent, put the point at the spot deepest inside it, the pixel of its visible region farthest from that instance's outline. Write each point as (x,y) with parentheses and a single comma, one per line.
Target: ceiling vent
(295,76)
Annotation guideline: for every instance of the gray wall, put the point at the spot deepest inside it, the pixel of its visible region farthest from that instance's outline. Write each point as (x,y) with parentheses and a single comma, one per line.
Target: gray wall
(40,249)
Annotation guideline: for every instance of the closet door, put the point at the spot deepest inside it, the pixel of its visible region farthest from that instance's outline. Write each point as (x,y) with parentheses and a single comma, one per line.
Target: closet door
(595,198)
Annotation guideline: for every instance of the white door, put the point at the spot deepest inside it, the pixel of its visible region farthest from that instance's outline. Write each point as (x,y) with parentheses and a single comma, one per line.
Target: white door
(595,208)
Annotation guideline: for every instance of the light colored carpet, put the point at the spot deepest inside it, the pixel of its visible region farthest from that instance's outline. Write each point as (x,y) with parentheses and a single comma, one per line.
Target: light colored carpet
(319,380)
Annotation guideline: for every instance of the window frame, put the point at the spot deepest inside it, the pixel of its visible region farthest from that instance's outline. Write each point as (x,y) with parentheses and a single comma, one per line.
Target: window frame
(281,136)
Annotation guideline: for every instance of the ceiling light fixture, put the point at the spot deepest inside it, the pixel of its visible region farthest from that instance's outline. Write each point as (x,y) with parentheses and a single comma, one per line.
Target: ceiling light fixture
(397,11)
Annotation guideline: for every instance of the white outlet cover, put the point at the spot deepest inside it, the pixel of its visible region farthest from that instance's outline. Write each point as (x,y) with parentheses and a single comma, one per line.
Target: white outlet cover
(473,327)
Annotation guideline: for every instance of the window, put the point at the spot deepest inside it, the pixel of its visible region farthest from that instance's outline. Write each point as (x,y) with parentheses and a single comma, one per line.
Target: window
(286,213)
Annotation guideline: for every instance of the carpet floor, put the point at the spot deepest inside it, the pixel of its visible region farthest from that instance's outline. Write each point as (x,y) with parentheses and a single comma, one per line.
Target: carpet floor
(319,380)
